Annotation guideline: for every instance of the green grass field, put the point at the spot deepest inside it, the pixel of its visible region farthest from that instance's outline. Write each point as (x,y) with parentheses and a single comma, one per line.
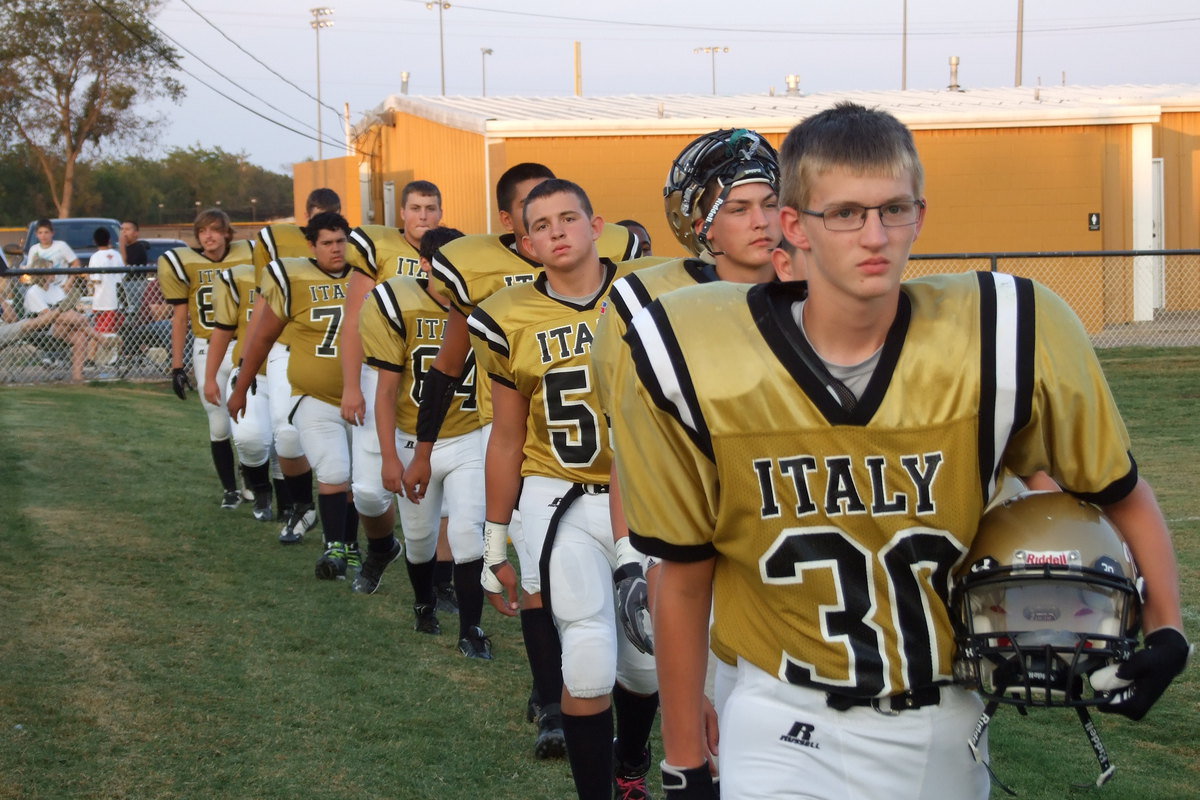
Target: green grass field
(155,646)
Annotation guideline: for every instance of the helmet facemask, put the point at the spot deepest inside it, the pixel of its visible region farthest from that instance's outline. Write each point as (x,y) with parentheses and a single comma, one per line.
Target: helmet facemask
(1047,596)
(721,160)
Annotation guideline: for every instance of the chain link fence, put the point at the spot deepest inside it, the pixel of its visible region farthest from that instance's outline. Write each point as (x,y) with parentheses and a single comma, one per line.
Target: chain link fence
(1148,298)
(1125,298)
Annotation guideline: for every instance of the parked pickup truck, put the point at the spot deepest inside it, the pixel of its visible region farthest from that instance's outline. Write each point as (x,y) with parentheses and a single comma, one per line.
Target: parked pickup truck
(76,232)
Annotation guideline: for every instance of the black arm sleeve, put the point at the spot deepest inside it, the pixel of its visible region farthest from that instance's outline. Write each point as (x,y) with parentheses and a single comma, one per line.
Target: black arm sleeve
(437,391)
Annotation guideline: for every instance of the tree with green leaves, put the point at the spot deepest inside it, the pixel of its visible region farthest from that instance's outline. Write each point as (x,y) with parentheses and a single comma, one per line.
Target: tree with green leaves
(73,72)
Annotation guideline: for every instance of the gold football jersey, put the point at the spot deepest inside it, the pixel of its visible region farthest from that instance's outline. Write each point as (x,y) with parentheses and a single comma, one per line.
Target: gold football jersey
(310,301)
(402,327)
(836,531)
(541,347)
(187,275)
(381,252)
(282,240)
(652,276)
(470,269)
(233,301)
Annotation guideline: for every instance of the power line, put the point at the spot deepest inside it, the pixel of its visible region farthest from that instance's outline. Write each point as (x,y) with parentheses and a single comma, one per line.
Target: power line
(256,58)
(858,32)
(200,80)
(267,103)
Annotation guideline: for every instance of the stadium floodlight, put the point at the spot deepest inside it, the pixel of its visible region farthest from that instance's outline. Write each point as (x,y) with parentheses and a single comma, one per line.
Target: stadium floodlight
(322,17)
(441,6)
(713,52)
(484,52)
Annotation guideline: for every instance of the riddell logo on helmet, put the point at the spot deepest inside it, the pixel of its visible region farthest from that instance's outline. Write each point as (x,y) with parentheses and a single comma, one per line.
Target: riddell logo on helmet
(1047,558)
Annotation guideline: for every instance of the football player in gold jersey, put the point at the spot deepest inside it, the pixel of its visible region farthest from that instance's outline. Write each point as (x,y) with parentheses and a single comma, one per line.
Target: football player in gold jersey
(467,271)
(816,457)
(285,240)
(378,254)
(723,205)
(233,298)
(306,296)
(186,277)
(549,454)
(402,325)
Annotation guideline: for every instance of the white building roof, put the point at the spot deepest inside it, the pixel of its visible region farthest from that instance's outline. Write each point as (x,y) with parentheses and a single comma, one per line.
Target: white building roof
(1009,107)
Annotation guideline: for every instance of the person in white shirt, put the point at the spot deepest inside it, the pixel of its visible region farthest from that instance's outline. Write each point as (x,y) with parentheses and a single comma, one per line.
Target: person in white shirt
(49,253)
(106,304)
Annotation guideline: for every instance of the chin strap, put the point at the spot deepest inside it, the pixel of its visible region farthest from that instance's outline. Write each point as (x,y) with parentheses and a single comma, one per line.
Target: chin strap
(1106,767)
(1107,770)
(977,735)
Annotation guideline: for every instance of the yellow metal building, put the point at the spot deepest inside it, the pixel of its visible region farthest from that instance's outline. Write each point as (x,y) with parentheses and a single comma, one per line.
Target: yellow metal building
(1010,169)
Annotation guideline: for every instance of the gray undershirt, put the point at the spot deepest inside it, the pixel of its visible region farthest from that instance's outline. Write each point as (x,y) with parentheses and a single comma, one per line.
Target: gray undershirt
(855,377)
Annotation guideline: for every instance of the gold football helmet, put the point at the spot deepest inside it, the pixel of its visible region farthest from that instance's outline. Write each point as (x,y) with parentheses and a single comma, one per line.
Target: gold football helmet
(1047,594)
(727,157)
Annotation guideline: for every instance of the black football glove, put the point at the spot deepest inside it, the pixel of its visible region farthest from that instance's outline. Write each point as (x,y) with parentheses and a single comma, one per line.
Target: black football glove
(180,382)
(632,606)
(1146,675)
(693,783)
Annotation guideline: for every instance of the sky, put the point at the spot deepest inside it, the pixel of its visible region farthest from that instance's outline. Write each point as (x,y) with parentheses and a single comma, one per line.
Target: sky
(251,68)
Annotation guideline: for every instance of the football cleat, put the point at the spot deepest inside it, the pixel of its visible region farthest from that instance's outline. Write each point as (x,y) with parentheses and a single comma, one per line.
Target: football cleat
(551,743)
(353,561)
(231,499)
(447,600)
(263,511)
(301,520)
(373,566)
(629,780)
(476,644)
(332,563)
(427,621)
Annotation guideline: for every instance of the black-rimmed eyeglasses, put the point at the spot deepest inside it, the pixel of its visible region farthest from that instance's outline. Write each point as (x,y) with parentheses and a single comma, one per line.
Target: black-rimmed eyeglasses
(853,217)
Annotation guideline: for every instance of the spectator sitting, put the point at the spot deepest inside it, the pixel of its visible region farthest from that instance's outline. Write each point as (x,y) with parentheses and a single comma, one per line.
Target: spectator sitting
(69,325)
(105,303)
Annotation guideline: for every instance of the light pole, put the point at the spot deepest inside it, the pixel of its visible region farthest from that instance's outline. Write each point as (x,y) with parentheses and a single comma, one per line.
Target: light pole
(713,52)
(254,209)
(441,6)
(321,18)
(484,52)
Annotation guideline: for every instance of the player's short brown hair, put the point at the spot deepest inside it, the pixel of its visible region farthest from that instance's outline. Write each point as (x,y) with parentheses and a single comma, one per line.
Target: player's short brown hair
(863,141)
(506,187)
(323,199)
(556,186)
(420,187)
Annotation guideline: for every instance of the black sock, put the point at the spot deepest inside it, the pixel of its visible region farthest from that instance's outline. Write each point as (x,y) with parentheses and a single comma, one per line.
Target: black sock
(383,544)
(351,524)
(470,594)
(544,652)
(589,751)
(635,718)
(283,497)
(332,508)
(421,578)
(443,573)
(258,479)
(222,456)
(300,488)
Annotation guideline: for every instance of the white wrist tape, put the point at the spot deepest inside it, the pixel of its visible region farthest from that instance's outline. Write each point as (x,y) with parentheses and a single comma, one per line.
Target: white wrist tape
(626,552)
(495,544)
